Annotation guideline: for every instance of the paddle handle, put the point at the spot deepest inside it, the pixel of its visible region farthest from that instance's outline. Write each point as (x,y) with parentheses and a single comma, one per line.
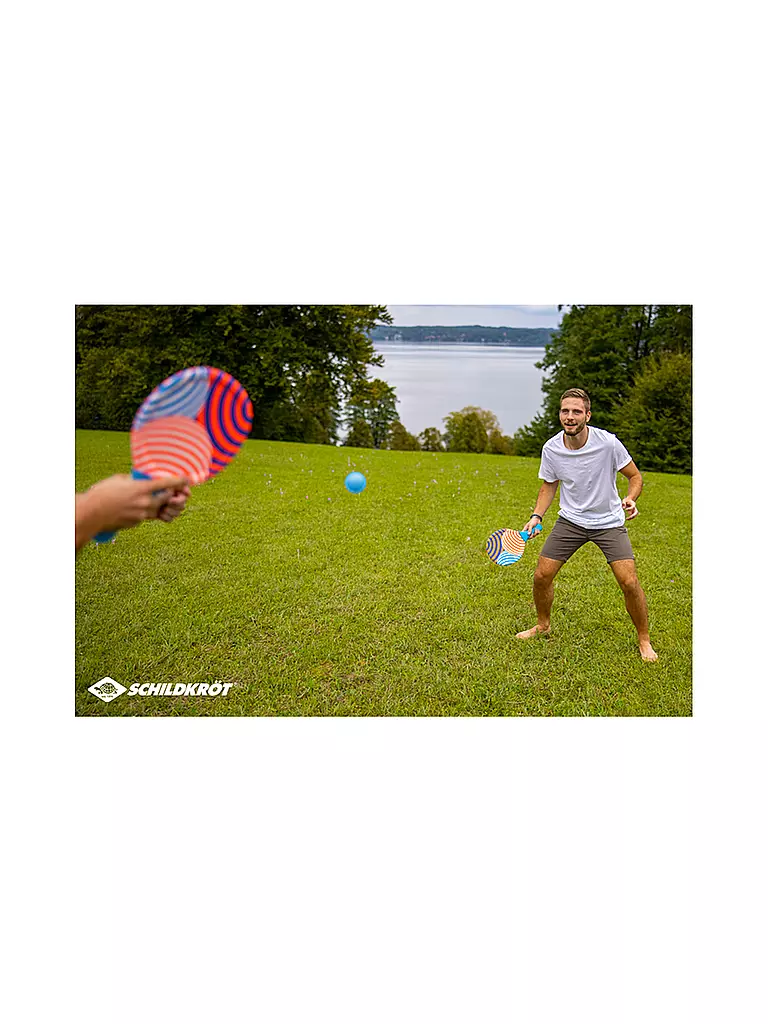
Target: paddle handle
(109,535)
(527,536)
(104,538)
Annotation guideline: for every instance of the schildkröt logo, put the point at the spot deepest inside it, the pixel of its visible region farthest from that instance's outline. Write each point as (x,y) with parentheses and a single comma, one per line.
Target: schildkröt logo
(180,689)
(108,689)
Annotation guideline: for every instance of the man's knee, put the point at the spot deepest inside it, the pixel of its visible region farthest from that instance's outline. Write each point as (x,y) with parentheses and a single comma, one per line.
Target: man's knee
(544,573)
(629,582)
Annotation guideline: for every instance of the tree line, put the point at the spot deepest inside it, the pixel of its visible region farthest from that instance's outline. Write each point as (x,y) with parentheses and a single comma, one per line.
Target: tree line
(298,363)
(373,423)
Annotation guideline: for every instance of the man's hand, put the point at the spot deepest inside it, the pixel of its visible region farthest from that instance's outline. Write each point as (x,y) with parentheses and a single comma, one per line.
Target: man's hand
(175,505)
(530,525)
(120,502)
(630,508)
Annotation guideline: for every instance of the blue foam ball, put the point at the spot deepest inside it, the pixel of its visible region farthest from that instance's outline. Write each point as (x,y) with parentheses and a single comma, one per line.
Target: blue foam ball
(355,482)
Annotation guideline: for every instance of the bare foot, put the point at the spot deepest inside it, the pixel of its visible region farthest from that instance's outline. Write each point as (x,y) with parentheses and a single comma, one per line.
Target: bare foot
(647,653)
(529,633)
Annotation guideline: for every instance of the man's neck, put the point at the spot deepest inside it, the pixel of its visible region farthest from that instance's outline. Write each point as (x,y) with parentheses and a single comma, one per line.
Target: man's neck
(578,440)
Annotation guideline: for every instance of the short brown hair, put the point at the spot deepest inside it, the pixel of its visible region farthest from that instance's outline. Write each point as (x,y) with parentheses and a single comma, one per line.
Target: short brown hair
(577,393)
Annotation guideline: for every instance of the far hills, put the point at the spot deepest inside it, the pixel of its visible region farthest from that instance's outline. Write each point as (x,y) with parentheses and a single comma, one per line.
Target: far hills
(519,337)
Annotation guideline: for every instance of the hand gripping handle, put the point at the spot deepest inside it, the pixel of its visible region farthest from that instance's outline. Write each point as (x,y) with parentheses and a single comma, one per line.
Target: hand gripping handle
(527,536)
(109,535)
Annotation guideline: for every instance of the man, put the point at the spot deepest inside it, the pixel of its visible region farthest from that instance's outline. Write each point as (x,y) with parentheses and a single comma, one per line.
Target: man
(584,461)
(120,502)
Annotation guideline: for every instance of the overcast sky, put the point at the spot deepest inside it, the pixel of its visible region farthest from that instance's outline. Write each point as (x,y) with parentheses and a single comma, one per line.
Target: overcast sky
(484,316)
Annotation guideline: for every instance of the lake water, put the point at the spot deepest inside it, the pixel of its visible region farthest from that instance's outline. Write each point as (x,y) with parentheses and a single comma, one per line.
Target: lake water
(434,380)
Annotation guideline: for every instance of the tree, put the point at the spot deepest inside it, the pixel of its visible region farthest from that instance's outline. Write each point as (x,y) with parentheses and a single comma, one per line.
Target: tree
(655,422)
(500,444)
(375,402)
(359,436)
(400,440)
(489,419)
(529,440)
(431,441)
(470,429)
(671,330)
(602,349)
(465,431)
(285,356)
(317,406)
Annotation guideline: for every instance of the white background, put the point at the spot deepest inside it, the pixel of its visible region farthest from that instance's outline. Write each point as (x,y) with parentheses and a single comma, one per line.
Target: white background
(536,871)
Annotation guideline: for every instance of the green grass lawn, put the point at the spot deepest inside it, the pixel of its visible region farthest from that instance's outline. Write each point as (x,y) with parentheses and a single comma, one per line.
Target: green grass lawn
(314,601)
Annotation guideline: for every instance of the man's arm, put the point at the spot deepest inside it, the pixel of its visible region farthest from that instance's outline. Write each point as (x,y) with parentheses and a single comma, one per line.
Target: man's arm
(633,474)
(547,492)
(120,502)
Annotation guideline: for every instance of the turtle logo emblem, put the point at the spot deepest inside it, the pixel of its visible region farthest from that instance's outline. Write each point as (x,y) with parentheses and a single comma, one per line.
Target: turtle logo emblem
(106,689)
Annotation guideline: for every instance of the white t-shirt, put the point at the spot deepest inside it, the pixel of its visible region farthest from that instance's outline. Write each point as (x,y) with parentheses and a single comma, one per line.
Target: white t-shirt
(588,494)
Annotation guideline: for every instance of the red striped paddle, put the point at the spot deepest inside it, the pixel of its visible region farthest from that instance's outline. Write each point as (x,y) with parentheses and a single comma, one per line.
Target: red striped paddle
(192,425)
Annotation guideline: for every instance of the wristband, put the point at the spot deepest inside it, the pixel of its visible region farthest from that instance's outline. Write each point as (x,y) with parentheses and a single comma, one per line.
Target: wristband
(540,518)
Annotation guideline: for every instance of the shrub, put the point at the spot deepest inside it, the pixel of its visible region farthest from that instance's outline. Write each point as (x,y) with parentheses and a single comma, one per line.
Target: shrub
(655,421)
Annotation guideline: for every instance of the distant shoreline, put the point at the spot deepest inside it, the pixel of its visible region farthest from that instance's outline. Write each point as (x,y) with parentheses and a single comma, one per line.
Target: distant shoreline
(447,342)
(503,337)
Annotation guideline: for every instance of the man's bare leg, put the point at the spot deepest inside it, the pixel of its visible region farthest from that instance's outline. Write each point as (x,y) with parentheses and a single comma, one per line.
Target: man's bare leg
(543,595)
(634,599)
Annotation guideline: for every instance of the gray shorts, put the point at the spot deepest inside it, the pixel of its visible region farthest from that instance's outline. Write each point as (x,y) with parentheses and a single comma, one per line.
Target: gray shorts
(565,539)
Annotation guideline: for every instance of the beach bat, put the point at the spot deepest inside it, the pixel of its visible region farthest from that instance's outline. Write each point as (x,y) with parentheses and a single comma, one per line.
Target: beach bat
(191,425)
(506,547)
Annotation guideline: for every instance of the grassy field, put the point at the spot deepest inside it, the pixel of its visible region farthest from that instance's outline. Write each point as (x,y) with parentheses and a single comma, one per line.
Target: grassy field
(314,601)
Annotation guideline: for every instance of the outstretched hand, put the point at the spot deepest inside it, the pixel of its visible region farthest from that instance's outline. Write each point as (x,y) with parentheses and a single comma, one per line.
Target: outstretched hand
(120,502)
